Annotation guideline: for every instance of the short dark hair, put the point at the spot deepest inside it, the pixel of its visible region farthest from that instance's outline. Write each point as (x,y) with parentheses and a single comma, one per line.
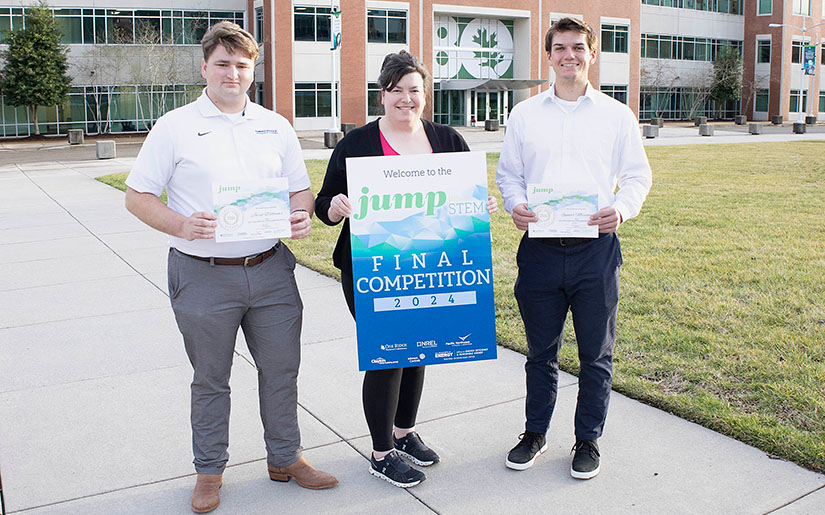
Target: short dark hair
(396,66)
(570,25)
(230,36)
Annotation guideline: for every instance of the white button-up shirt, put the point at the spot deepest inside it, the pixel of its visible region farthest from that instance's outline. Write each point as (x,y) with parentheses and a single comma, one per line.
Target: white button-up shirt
(597,140)
(192,147)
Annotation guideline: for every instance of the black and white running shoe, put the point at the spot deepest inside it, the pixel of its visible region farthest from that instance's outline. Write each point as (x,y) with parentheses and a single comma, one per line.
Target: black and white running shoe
(395,471)
(412,448)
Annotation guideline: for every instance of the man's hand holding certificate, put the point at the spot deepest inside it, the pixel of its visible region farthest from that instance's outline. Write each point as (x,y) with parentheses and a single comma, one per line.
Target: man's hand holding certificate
(562,210)
(252,209)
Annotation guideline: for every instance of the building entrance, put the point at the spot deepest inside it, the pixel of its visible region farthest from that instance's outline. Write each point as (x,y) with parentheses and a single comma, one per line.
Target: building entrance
(491,105)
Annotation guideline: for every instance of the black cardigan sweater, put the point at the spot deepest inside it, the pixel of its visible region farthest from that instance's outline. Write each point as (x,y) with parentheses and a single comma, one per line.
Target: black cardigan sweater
(361,142)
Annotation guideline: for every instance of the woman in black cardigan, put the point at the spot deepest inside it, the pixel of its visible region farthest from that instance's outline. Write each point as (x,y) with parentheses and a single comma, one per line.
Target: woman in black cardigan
(390,396)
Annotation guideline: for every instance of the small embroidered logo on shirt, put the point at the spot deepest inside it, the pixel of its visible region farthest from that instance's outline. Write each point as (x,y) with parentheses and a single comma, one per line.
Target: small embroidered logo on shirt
(266,131)
(203,133)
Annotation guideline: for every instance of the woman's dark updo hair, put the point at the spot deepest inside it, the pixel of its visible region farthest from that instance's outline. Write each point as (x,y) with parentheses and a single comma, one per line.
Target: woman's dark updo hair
(396,66)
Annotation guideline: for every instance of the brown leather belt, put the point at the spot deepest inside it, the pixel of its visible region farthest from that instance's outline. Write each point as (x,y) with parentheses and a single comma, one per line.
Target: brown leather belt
(252,260)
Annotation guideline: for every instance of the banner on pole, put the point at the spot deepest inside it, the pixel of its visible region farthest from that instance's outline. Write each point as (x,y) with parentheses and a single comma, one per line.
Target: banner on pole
(421,259)
(809,59)
(336,30)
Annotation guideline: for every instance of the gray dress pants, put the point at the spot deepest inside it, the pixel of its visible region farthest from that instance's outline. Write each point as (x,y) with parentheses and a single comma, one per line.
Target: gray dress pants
(210,302)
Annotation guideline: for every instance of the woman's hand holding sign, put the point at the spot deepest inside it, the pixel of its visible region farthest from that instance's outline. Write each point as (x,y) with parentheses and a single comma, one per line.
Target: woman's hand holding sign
(339,208)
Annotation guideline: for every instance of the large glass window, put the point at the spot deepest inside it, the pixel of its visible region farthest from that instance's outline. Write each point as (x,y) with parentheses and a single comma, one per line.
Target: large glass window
(313,99)
(683,104)
(762,98)
(685,48)
(650,44)
(822,102)
(120,26)
(765,6)
(385,26)
(101,109)
(374,105)
(619,92)
(449,107)
(10,18)
(763,51)
(148,27)
(720,6)
(796,52)
(126,27)
(802,7)
(614,38)
(794,104)
(312,23)
(259,24)
(822,53)
(70,24)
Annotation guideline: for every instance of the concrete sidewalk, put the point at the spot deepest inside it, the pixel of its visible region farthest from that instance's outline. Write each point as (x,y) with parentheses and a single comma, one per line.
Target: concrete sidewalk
(94,397)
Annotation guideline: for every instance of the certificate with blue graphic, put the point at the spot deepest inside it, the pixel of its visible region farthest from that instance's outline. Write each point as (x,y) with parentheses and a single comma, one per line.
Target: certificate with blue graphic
(563,210)
(251,209)
(421,261)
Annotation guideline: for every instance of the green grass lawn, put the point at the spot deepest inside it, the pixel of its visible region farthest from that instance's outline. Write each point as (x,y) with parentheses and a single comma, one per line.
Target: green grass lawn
(722,310)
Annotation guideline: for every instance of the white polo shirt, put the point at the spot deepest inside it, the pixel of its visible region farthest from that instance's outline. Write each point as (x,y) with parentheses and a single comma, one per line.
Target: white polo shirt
(595,139)
(196,145)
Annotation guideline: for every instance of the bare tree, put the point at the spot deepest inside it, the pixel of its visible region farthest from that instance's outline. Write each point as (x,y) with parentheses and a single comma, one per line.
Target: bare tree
(659,77)
(698,87)
(144,60)
(750,87)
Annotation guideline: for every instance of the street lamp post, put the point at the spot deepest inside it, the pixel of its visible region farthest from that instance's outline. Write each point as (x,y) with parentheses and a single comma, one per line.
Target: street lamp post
(333,135)
(803,29)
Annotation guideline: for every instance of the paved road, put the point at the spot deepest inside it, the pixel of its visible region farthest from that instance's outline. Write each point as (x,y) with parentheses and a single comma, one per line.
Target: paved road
(312,142)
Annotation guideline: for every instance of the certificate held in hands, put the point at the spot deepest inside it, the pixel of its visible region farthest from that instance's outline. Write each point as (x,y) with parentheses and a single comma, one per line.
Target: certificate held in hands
(563,210)
(251,209)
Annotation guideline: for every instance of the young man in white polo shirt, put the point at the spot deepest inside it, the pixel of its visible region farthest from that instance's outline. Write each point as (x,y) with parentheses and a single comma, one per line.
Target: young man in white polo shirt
(217,287)
(571,134)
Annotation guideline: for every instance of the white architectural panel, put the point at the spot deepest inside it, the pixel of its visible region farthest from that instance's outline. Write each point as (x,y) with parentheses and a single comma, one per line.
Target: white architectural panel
(690,22)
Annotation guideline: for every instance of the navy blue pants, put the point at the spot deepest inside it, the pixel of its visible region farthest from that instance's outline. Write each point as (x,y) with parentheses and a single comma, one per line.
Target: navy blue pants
(584,279)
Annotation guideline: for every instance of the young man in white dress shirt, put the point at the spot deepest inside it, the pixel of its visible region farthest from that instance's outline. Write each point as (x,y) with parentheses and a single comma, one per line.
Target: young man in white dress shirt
(571,133)
(215,288)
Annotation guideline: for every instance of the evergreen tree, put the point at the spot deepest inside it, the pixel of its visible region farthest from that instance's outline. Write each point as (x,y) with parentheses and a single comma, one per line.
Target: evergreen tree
(35,63)
(727,75)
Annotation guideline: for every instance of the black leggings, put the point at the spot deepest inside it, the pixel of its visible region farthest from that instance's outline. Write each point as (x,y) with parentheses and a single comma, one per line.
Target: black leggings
(390,396)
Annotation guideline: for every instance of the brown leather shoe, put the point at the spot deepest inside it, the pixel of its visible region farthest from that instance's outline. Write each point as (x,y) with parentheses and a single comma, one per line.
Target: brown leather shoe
(305,474)
(205,495)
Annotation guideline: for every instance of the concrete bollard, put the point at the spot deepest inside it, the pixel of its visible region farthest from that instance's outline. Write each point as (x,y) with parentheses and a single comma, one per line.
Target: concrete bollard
(776,119)
(75,136)
(799,128)
(491,125)
(705,130)
(650,131)
(658,121)
(700,120)
(105,149)
(754,128)
(810,120)
(346,127)
(331,138)
(740,119)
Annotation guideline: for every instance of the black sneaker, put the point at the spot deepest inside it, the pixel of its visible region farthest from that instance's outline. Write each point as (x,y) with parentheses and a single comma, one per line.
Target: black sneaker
(522,456)
(394,470)
(412,448)
(586,460)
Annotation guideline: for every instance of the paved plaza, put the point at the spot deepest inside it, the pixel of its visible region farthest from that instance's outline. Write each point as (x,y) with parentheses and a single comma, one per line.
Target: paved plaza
(94,386)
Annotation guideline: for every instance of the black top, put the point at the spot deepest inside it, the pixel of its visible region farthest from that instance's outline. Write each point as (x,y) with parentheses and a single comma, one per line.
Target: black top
(361,142)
